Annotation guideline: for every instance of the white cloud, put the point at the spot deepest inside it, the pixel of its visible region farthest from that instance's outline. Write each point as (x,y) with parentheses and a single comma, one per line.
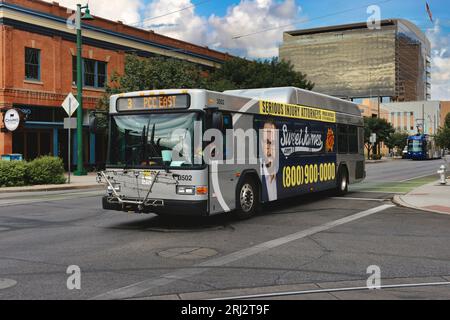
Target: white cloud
(184,24)
(124,10)
(251,16)
(440,73)
(248,16)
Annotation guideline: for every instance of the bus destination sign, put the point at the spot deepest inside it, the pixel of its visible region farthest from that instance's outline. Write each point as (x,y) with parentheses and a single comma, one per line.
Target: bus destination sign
(154,102)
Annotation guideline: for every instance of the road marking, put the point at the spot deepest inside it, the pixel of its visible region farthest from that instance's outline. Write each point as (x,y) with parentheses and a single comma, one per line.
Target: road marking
(427,175)
(7,283)
(143,286)
(291,293)
(360,199)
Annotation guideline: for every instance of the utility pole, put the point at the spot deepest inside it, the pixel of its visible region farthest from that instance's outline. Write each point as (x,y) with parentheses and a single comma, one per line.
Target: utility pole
(379,117)
(423,118)
(87,16)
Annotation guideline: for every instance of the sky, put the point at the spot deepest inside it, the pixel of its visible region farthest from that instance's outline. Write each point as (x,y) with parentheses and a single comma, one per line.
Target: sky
(254,28)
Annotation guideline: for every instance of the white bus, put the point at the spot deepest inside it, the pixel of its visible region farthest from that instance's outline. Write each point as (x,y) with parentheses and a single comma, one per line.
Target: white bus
(202,152)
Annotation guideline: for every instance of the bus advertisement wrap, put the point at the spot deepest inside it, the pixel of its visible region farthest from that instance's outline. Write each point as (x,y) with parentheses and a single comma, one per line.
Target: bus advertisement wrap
(277,109)
(306,153)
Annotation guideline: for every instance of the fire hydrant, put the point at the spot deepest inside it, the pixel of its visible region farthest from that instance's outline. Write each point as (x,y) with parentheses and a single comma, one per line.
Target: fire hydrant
(442,174)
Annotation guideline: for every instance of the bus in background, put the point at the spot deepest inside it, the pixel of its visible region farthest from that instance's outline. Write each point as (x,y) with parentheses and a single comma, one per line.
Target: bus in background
(201,152)
(422,147)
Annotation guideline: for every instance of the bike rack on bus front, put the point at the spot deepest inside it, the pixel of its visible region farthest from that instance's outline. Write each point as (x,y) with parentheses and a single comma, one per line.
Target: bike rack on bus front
(141,204)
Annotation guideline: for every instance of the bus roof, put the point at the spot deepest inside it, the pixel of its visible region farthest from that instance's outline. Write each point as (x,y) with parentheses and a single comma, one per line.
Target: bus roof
(292,95)
(288,95)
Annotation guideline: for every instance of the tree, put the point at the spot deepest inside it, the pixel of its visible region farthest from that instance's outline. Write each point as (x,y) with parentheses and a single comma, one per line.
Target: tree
(442,137)
(153,73)
(238,73)
(447,120)
(381,128)
(398,139)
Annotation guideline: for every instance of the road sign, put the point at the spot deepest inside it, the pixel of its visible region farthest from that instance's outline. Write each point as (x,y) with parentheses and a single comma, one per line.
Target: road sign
(70,104)
(70,123)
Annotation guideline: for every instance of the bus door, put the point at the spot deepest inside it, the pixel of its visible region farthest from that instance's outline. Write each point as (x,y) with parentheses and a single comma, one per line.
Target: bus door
(221,179)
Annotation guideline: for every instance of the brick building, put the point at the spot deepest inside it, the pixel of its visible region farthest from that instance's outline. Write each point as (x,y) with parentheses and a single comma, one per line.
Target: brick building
(38,70)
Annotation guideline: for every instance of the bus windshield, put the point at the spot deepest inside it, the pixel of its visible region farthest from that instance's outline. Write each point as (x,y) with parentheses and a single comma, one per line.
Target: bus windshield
(415,146)
(147,140)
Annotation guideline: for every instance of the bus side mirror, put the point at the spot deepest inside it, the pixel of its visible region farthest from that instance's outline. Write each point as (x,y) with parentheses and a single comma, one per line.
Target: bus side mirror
(217,120)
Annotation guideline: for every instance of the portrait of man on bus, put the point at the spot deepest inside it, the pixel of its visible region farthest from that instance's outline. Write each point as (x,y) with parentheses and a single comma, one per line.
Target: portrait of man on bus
(269,160)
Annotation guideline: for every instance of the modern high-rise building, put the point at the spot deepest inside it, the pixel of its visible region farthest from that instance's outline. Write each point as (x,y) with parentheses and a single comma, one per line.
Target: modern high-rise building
(355,62)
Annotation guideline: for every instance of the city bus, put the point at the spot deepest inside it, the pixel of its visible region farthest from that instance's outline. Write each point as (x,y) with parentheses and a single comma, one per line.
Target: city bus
(422,147)
(202,153)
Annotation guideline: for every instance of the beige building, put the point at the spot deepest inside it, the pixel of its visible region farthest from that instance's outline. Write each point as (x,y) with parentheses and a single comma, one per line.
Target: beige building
(409,117)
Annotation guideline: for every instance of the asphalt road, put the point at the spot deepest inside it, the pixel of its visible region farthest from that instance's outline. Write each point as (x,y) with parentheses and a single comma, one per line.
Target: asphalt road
(399,170)
(311,244)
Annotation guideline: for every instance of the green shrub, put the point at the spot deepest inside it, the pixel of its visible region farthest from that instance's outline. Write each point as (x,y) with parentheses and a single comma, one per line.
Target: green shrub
(45,170)
(13,173)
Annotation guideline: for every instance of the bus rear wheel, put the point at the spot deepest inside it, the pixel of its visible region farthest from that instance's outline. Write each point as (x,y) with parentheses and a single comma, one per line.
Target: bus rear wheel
(247,199)
(342,181)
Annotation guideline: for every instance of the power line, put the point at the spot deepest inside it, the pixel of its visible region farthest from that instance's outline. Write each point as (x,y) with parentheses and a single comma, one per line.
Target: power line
(169,13)
(303,20)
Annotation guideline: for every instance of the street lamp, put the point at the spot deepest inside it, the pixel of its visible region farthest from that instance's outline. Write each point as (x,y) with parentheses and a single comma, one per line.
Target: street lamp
(86,16)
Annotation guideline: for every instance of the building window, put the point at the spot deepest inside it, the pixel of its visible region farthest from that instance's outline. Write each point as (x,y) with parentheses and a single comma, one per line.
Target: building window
(94,72)
(32,64)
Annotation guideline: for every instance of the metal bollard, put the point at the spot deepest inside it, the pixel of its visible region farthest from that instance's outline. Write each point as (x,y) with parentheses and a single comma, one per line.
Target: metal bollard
(441,172)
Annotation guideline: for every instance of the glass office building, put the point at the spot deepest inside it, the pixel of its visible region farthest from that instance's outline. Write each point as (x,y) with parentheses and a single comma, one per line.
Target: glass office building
(354,62)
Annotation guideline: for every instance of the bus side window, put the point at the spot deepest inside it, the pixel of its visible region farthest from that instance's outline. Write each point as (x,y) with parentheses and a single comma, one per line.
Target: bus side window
(342,138)
(352,139)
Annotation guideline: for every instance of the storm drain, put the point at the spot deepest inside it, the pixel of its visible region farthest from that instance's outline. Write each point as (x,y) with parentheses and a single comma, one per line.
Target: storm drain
(188,253)
(7,283)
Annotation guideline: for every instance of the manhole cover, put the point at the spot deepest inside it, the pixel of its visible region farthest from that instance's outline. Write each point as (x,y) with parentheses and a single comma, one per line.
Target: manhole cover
(7,283)
(188,253)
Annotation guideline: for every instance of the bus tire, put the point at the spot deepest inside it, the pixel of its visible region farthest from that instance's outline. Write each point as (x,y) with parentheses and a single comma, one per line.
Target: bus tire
(342,181)
(247,199)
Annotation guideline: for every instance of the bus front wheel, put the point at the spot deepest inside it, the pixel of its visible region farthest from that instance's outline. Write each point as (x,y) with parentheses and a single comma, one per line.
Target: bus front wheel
(342,181)
(247,199)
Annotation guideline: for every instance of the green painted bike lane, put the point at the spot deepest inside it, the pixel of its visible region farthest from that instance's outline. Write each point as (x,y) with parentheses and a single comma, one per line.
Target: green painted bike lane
(393,186)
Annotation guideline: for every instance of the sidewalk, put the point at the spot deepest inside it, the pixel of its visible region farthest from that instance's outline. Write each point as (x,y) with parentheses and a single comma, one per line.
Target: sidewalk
(432,197)
(76,182)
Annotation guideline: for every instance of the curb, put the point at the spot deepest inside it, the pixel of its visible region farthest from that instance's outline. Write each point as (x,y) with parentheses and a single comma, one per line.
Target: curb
(52,188)
(400,202)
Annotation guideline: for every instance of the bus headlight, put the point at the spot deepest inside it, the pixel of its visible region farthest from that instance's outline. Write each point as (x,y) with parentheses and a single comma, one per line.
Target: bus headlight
(187,190)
